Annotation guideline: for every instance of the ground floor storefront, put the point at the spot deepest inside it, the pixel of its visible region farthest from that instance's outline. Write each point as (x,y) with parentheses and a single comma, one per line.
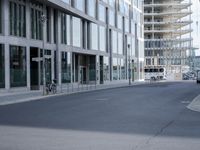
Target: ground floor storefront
(23,67)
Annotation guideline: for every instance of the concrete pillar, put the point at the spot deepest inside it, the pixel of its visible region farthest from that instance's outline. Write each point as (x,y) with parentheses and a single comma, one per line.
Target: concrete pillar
(28,20)
(5,21)
(7,67)
(28,68)
(58,52)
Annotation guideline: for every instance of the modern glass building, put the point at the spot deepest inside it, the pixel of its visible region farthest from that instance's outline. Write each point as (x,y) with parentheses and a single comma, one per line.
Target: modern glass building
(85,42)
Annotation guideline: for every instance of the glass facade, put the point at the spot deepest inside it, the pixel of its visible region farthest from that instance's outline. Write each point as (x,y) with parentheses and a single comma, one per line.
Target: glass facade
(63,28)
(115,71)
(94,36)
(2,67)
(76,24)
(97,36)
(106,69)
(80,5)
(102,13)
(17,66)
(36,25)
(114,42)
(120,43)
(0,17)
(48,67)
(17,13)
(102,38)
(111,18)
(92,8)
(66,67)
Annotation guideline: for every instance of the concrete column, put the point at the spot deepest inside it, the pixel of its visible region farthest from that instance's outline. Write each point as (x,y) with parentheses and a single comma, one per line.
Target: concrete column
(28,68)
(7,67)
(52,26)
(5,17)
(28,20)
(58,52)
(5,21)
(52,65)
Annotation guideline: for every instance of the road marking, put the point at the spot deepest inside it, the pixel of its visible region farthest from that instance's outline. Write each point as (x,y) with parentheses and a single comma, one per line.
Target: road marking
(185,102)
(102,99)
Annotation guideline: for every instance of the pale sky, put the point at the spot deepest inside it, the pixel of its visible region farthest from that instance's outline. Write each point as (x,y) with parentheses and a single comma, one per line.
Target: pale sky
(196,24)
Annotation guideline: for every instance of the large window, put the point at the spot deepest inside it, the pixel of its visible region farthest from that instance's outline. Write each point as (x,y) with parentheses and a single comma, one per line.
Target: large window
(91,8)
(115,69)
(94,36)
(36,25)
(17,66)
(76,31)
(0,17)
(102,38)
(111,18)
(2,67)
(120,22)
(122,69)
(102,13)
(66,67)
(106,69)
(114,42)
(63,28)
(120,43)
(80,5)
(18,19)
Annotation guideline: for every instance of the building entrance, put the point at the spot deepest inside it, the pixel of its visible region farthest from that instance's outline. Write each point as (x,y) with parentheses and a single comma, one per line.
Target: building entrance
(34,68)
(84,68)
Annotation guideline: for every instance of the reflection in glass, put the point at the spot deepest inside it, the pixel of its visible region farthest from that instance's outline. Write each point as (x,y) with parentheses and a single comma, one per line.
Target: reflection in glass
(17,66)
(2,67)
(115,69)
(66,67)
(76,31)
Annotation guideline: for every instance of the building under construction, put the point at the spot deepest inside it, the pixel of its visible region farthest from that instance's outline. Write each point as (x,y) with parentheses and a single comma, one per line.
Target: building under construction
(168,41)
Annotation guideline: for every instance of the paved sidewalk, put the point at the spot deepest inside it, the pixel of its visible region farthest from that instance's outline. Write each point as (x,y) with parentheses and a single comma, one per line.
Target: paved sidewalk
(18,97)
(195,104)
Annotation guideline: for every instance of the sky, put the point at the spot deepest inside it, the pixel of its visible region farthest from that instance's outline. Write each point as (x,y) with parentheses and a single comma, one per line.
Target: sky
(196,25)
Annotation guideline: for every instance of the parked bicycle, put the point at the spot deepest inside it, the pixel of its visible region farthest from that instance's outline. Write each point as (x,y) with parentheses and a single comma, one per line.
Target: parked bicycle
(51,87)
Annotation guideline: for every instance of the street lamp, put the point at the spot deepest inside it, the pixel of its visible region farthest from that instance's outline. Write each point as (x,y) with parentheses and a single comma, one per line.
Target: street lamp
(43,20)
(129,70)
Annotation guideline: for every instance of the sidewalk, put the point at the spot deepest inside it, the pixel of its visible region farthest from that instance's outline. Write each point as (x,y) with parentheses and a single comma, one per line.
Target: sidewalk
(19,97)
(195,104)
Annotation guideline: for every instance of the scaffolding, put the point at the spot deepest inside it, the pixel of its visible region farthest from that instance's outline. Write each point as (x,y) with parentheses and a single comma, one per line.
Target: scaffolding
(167,31)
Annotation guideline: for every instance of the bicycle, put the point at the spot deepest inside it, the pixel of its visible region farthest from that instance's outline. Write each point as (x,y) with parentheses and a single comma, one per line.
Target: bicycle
(51,87)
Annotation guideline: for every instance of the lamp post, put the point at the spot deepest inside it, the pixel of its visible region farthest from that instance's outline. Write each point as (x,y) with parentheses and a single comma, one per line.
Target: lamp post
(43,20)
(129,68)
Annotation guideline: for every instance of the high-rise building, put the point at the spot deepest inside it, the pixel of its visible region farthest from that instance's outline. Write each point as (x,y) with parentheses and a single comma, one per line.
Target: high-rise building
(167,33)
(85,42)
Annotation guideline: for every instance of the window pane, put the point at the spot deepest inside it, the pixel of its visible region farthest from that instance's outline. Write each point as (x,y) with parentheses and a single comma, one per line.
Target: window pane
(76,31)
(94,36)
(91,8)
(115,69)
(17,66)
(2,67)
(114,42)
(102,38)
(80,5)
(17,19)
(102,13)
(111,18)
(66,67)
(120,43)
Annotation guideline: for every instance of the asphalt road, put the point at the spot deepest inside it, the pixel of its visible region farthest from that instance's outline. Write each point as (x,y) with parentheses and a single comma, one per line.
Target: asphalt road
(142,117)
